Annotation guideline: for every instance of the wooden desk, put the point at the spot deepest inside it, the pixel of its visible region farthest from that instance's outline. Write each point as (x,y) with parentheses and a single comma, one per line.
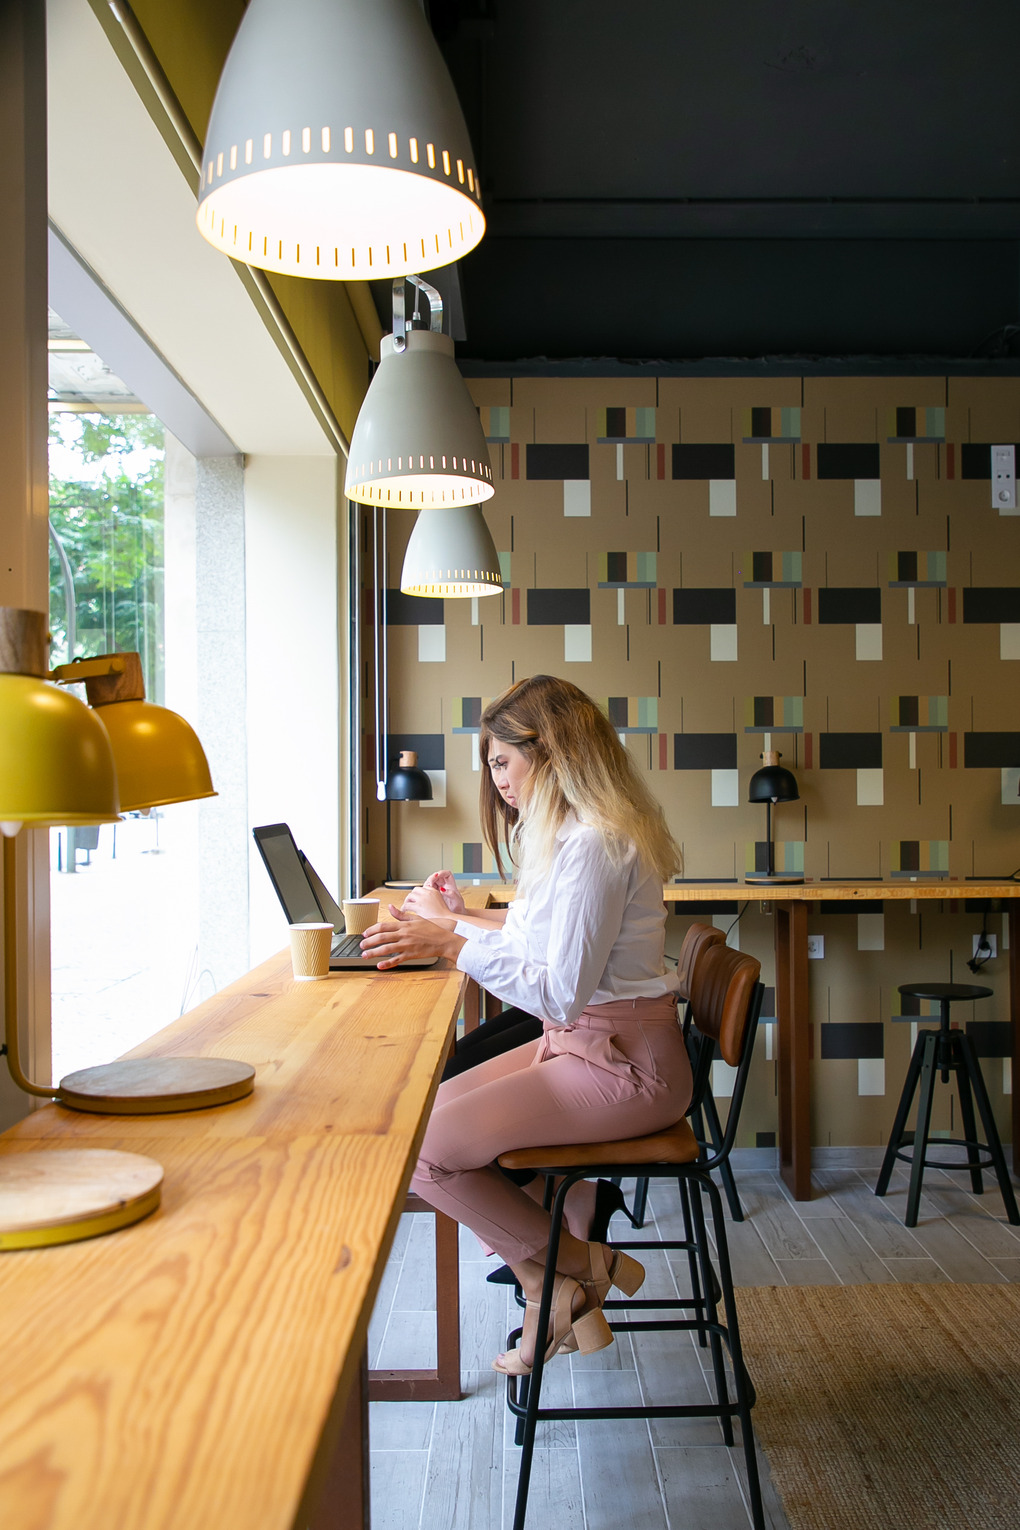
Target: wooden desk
(790,903)
(199,1370)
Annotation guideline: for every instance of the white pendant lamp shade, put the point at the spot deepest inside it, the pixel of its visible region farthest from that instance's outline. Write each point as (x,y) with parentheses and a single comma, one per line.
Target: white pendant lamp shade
(418,442)
(451,554)
(337,147)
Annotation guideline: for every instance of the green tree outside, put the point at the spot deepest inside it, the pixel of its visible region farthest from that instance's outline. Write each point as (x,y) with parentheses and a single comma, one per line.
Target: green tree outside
(108,514)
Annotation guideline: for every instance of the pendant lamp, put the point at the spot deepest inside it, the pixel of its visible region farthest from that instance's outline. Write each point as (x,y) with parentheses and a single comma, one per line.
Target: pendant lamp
(451,554)
(157,754)
(418,442)
(336,147)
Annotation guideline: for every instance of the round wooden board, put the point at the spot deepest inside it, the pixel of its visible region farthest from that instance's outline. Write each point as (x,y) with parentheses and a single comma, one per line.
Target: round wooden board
(140,1086)
(69,1194)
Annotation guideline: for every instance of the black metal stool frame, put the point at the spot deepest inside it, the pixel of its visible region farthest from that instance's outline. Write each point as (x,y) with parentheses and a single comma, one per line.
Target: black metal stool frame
(946,1051)
(525,1402)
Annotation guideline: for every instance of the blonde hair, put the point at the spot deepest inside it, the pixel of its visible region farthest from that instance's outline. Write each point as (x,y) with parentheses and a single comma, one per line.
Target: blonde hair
(577,765)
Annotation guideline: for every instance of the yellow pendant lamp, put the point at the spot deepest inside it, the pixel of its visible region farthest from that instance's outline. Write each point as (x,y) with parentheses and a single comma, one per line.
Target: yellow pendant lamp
(158,757)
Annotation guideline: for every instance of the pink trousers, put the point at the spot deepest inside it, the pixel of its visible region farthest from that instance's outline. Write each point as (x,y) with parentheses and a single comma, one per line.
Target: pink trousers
(620,1070)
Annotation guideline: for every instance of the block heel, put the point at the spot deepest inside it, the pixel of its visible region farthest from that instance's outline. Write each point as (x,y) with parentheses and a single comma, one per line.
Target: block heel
(592,1332)
(625,1273)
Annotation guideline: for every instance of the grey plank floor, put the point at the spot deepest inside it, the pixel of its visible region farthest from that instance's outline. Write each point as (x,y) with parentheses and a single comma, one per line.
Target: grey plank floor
(453,1466)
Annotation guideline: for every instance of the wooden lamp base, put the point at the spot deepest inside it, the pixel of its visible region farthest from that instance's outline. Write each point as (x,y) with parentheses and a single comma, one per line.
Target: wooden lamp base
(150,1086)
(64,1196)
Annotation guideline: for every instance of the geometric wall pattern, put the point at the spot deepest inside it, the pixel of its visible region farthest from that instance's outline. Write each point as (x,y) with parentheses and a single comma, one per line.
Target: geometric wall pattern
(731,565)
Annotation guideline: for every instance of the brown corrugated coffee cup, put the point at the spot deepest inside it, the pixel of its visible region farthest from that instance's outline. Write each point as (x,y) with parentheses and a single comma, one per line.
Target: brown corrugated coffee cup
(309,950)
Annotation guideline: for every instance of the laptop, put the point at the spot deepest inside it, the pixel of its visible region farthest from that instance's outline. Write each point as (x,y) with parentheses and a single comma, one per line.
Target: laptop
(306,899)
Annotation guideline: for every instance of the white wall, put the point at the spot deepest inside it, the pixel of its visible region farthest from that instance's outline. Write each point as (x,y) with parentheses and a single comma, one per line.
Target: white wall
(292,557)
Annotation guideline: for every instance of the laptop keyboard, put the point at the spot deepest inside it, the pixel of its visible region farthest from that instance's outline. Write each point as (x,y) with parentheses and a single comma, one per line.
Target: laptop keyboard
(347,945)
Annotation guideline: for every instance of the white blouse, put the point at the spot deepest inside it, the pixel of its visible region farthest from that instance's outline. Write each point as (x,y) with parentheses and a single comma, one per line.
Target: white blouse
(588,933)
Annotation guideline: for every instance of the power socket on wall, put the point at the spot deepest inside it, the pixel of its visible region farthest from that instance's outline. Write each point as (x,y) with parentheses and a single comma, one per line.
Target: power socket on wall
(987,944)
(815,947)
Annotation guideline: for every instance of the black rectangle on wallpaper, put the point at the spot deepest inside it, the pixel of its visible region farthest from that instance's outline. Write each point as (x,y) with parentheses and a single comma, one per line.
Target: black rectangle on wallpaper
(906,422)
(616,568)
(412,610)
(765,1139)
(429,747)
(991,604)
(548,608)
(849,751)
(761,422)
(703,460)
(557,460)
(704,751)
(849,603)
(991,1038)
(852,1038)
(619,710)
(761,567)
(908,711)
(906,567)
(991,751)
(768,1002)
(975,459)
(698,608)
(842,459)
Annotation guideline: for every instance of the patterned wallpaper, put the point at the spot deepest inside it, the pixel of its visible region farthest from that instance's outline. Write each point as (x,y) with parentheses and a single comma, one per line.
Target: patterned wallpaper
(811,565)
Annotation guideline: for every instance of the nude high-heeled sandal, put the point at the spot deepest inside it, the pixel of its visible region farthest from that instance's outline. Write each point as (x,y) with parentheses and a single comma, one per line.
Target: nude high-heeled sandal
(562,1319)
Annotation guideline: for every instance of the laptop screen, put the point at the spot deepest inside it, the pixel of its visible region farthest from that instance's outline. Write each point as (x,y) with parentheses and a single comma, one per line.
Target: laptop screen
(287,874)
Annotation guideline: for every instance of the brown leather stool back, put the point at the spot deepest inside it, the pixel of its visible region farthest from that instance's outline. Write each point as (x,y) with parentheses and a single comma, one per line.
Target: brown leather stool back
(721,998)
(699,938)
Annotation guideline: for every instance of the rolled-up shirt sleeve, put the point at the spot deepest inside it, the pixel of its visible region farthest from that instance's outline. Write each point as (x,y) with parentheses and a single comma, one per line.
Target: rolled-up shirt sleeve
(588,895)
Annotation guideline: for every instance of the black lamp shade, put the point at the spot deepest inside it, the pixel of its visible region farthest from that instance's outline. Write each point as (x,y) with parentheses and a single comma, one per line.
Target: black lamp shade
(773,783)
(407,783)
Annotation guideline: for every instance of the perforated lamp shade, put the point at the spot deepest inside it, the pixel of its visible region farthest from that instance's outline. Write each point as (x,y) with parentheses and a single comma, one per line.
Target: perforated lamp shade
(336,147)
(418,442)
(451,554)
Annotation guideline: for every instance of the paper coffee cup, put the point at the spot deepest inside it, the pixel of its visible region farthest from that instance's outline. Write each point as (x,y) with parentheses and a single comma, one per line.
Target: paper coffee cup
(359,913)
(309,950)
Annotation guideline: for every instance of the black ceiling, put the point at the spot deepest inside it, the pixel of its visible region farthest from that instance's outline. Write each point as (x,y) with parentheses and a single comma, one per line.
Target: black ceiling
(679,179)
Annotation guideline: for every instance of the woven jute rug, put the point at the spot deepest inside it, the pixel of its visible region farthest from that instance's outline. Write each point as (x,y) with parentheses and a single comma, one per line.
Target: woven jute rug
(888,1407)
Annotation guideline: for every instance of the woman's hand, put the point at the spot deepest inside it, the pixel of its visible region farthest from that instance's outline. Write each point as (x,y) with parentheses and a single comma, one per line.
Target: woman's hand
(445,883)
(410,937)
(429,903)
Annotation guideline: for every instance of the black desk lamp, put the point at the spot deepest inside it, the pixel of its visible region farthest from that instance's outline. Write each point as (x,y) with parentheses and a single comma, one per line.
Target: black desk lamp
(772,783)
(405,784)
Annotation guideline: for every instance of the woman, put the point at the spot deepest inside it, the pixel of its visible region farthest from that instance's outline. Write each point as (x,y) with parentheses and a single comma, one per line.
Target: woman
(582,946)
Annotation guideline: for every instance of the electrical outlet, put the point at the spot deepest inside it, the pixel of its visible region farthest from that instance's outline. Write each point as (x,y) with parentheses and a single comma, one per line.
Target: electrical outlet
(990,946)
(1004,477)
(815,947)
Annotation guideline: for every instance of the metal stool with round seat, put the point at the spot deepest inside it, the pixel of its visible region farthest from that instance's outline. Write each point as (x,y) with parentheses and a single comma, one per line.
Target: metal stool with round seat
(944,1052)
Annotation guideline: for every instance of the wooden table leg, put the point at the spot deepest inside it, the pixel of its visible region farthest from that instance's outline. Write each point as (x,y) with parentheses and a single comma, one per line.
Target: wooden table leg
(442,1384)
(794,1057)
(345,1501)
(472,1006)
(1014,1015)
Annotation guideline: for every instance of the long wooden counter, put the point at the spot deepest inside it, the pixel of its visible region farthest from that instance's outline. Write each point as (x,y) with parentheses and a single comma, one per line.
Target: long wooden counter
(194,1372)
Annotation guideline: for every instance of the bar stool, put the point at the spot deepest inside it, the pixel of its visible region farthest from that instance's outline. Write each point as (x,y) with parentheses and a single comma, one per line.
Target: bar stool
(726,1001)
(945,1051)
